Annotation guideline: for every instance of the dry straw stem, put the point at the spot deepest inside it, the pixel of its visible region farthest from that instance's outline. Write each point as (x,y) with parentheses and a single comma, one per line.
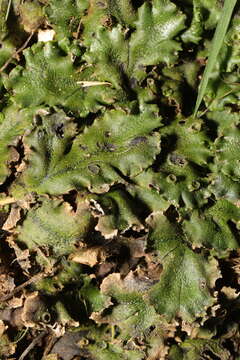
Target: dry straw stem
(218,39)
(92,83)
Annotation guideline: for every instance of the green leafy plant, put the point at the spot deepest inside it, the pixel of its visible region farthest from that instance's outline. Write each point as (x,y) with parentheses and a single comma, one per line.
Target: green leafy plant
(216,47)
(119,199)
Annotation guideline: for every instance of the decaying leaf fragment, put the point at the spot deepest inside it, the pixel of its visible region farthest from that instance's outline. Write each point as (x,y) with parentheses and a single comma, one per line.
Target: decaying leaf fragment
(29,314)
(7,348)
(89,256)
(6,282)
(12,219)
(31,15)
(22,256)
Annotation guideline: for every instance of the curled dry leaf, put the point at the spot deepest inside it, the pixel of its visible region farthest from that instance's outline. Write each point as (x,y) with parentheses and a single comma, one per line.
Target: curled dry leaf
(89,256)
(13,218)
(230,293)
(30,314)
(22,256)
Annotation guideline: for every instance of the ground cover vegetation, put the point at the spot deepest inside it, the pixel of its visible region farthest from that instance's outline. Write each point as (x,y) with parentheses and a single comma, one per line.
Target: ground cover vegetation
(119,180)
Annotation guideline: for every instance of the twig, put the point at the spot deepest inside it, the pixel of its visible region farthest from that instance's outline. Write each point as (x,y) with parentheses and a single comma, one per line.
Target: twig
(32,345)
(33,279)
(78,29)
(217,98)
(49,346)
(7,201)
(17,52)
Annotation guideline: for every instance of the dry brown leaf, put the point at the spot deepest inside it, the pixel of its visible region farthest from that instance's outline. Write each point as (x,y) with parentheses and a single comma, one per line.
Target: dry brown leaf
(28,315)
(3,327)
(191,329)
(14,155)
(51,357)
(6,283)
(16,302)
(13,218)
(6,200)
(3,217)
(136,246)
(235,264)
(25,203)
(131,282)
(67,346)
(230,293)
(22,256)
(89,256)
(32,309)
(105,268)
(7,348)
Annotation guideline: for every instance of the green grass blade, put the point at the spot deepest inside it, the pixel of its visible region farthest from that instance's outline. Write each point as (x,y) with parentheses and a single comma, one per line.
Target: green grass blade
(218,39)
(8,9)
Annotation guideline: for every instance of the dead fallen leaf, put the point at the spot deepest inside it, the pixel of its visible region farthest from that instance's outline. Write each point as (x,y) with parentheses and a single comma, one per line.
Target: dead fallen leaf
(51,357)
(6,283)
(13,218)
(105,268)
(33,309)
(16,302)
(230,293)
(3,327)
(130,283)
(89,256)
(28,315)
(137,246)
(22,256)
(67,346)
(14,155)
